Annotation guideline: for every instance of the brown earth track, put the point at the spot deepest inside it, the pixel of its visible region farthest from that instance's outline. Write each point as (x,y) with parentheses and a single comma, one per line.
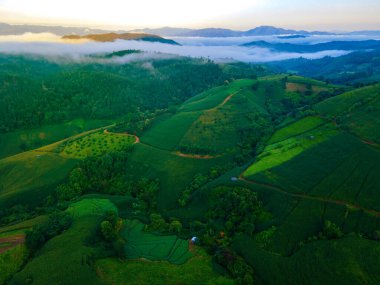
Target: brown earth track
(14,241)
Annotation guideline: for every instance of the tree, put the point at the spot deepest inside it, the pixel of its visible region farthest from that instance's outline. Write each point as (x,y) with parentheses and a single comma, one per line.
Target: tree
(108,231)
(175,226)
(331,230)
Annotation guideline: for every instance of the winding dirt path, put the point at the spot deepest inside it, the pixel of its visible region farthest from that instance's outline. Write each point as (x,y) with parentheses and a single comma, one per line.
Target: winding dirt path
(11,242)
(315,198)
(196,156)
(137,139)
(228,98)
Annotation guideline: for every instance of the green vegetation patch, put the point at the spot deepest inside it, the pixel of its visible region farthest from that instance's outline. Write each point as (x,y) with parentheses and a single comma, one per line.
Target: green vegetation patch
(197,270)
(91,207)
(297,128)
(20,141)
(97,144)
(68,258)
(214,97)
(141,244)
(347,102)
(27,178)
(11,261)
(346,261)
(278,153)
(168,133)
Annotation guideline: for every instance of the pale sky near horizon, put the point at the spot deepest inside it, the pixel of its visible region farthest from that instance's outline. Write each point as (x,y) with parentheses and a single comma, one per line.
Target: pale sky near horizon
(235,14)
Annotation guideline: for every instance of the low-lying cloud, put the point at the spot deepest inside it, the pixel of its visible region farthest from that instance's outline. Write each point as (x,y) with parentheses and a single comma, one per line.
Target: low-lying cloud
(53,47)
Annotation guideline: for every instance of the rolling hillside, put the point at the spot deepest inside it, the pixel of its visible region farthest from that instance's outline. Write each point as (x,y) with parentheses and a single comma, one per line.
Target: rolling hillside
(318,169)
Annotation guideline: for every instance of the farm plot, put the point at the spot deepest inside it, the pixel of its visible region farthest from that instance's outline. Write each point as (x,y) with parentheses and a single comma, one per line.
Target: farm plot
(154,247)
(96,144)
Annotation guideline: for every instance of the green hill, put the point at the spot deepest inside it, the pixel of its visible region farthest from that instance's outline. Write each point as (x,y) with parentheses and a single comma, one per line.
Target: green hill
(315,170)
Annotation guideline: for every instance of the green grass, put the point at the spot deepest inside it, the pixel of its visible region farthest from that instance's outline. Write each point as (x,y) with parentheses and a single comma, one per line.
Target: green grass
(91,207)
(141,244)
(364,121)
(351,260)
(27,178)
(213,97)
(219,128)
(297,128)
(346,102)
(279,153)
(68,258)
(173,172)
(11,262)
(168,133)
(197,270)
(18,141)
(96,144)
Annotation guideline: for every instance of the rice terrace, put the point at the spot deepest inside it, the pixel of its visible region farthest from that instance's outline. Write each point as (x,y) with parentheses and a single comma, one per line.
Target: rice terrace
(141,143)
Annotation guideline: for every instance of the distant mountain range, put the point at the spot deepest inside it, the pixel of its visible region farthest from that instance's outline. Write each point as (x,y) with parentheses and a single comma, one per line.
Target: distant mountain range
(217,32)
(111,37)
(6,29)
(334,45)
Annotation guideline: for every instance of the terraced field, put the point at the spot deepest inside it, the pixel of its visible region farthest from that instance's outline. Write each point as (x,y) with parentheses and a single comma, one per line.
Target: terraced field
(197,270)
(334,178)
(153,247)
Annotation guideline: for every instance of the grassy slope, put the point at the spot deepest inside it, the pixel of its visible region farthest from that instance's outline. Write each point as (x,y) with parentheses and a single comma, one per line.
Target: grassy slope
(154,247)
(67,258)
(27,178)
(96,144)
(10,143)
(333,180)
(174,172)
(348,261)
(198,270)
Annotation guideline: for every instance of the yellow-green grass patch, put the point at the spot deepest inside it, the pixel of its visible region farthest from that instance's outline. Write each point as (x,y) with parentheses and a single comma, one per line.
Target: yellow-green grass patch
(197,270)
(299,127)
(11,261)
(96,144)
(278,153)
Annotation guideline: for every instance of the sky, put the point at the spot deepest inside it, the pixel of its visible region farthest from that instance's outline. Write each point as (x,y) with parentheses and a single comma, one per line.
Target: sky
(333,15)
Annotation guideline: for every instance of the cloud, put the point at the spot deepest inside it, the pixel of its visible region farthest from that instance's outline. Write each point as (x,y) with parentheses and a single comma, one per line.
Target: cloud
(53,47)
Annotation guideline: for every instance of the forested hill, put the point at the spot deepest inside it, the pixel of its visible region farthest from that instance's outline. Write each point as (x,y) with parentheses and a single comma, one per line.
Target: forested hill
(36,92)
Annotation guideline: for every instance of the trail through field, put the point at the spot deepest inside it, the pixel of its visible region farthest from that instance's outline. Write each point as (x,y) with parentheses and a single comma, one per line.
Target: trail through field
(11,242)
(228,98)
(196,156)
(315,198)
(137,139)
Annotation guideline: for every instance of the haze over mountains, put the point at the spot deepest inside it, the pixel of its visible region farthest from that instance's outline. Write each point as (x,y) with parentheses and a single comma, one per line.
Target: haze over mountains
(7,29)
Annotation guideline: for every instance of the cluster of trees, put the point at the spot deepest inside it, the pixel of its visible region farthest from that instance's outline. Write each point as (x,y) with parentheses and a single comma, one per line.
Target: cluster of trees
(197,149)
(107,174)
(39,235)
(352,69)
(233,210)
(136,122)
(110,229)
(236,266)
(40,92)
(159,224)
(330,230)
(104,174)
(198,181)
(239,209)
(16,213)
